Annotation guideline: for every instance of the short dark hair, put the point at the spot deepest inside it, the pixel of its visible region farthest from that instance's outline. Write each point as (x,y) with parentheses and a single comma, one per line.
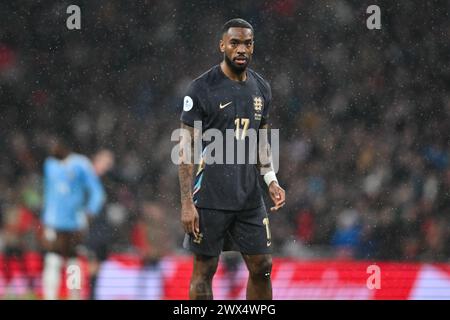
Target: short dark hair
(236,23)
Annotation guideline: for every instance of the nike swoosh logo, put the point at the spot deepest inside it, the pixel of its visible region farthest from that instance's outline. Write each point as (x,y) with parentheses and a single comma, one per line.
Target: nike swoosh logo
(224,105)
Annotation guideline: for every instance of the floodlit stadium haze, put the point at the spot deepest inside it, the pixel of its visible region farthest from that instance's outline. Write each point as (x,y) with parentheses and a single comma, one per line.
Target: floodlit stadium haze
(363,117)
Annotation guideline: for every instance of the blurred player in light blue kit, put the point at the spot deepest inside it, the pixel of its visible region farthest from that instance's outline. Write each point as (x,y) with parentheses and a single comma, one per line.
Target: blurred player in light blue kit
(73,194)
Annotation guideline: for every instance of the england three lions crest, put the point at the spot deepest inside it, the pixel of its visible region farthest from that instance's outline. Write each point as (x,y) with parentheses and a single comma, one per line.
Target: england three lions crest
(258,103)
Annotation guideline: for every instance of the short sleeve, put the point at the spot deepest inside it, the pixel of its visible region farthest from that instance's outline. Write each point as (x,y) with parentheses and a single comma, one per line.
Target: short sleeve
(193,110)
(267,105)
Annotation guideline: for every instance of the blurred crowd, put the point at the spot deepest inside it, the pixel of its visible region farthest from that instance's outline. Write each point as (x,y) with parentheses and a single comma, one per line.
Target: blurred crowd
(363,118)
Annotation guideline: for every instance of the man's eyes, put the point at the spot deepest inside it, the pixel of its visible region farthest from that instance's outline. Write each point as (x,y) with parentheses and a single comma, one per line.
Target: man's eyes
(234,43)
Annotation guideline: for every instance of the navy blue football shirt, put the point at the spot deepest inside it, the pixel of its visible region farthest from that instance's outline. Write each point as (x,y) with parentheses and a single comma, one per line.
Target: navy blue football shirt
(221,103)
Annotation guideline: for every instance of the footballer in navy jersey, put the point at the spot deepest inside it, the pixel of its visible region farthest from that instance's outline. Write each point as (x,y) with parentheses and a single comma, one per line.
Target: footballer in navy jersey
(222,207)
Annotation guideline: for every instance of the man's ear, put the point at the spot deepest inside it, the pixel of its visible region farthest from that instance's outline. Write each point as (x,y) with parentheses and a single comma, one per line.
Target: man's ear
(222,46)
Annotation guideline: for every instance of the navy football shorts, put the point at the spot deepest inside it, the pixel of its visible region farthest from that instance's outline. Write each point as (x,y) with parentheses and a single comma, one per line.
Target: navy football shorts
(246,231)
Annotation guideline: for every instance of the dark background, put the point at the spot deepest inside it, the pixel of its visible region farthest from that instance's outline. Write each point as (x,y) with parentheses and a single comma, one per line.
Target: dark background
(363,115)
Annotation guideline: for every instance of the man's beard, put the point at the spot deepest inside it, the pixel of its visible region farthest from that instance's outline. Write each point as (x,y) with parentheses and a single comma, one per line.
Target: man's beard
(237,69)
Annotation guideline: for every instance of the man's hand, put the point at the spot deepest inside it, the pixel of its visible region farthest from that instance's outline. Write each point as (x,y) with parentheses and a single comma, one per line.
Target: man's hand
(189,219)
(278,196)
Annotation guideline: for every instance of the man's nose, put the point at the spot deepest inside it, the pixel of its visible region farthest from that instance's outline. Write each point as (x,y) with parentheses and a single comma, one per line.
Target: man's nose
(241,49)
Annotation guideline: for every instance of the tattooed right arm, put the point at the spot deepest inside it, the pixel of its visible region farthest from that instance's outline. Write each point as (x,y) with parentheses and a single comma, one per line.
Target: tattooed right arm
(189,214)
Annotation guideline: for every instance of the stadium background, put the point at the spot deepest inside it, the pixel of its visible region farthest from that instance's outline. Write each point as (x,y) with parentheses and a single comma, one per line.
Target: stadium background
(363,117)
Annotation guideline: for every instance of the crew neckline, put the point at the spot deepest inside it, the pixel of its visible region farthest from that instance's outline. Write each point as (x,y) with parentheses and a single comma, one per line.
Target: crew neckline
(234,81)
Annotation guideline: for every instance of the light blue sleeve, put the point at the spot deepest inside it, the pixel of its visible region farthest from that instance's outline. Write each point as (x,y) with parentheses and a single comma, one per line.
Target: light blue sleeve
(96,193)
